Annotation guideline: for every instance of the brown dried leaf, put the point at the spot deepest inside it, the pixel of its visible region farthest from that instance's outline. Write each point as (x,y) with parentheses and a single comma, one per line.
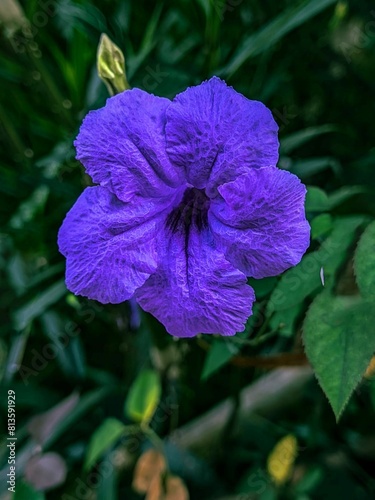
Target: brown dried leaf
(150,466)
(175,489)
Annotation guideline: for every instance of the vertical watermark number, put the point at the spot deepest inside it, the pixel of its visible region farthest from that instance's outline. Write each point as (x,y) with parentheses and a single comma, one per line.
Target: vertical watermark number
(11,441)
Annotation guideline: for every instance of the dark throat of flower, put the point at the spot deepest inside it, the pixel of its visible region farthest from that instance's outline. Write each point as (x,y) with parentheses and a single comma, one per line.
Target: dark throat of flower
(192,211)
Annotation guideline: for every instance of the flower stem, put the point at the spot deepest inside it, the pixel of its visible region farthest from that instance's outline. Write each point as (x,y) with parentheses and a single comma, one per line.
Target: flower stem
(156,441)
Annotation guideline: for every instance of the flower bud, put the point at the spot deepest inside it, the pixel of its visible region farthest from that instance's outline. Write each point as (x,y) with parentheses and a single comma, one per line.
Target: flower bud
(111,66)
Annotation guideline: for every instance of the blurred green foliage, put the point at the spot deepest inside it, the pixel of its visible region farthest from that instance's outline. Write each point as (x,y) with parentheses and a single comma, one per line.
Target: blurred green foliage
(312,62)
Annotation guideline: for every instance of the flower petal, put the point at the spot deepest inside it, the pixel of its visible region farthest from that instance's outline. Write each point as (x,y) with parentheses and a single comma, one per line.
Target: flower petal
(195,289)
(216,134)
(259,221)
(122,146)
(109,245)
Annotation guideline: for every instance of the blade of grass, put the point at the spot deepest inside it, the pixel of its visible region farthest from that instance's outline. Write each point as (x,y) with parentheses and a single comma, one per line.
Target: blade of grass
(273,32)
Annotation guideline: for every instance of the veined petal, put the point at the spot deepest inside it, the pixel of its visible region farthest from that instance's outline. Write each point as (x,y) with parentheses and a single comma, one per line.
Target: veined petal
(195,289)
(110,246)
(259,221)
(122,146)
(216,134)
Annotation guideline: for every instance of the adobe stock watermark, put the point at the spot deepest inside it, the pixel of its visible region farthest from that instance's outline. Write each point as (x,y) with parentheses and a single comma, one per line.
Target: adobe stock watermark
(285,115)
(23,40)
(258,482)
(154,77)
(11,441)
(358,39)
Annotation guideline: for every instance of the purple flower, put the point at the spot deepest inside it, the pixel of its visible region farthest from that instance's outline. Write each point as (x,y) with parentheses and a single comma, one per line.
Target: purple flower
(189,203)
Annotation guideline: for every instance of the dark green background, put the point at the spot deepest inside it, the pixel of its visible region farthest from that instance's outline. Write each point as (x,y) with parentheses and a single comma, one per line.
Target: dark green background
(314,66)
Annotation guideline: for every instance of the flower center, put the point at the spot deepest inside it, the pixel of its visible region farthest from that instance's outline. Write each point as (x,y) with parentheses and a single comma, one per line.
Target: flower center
(192,210)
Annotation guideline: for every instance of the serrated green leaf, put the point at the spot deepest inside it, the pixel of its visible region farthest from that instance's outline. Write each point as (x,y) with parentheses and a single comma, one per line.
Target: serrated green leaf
(304,279)
(144,396)
(339,343)
(103,438)
(364,263)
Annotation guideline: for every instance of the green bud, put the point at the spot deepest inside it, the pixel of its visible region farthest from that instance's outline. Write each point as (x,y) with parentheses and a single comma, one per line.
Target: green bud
(111,66)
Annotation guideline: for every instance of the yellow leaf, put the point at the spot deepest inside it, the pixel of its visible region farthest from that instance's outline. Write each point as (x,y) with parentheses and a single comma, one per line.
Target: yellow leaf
(281,460)
(144,396)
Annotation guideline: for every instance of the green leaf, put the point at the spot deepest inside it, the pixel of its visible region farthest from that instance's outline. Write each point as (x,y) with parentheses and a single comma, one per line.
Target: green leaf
(17,273)
(262,287)
(144,396)
(26,492)
(297,139)
(316,200)
(222,350)
(274,31)
(321,225)
(148,42)
(339,342)
(69,351)
(23,316)
(312,477)
(108,486)
(220,353)
(284,320)
(343,194)
(311,166)
(103,438)
(304,279)
(16,353)
(364,263)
